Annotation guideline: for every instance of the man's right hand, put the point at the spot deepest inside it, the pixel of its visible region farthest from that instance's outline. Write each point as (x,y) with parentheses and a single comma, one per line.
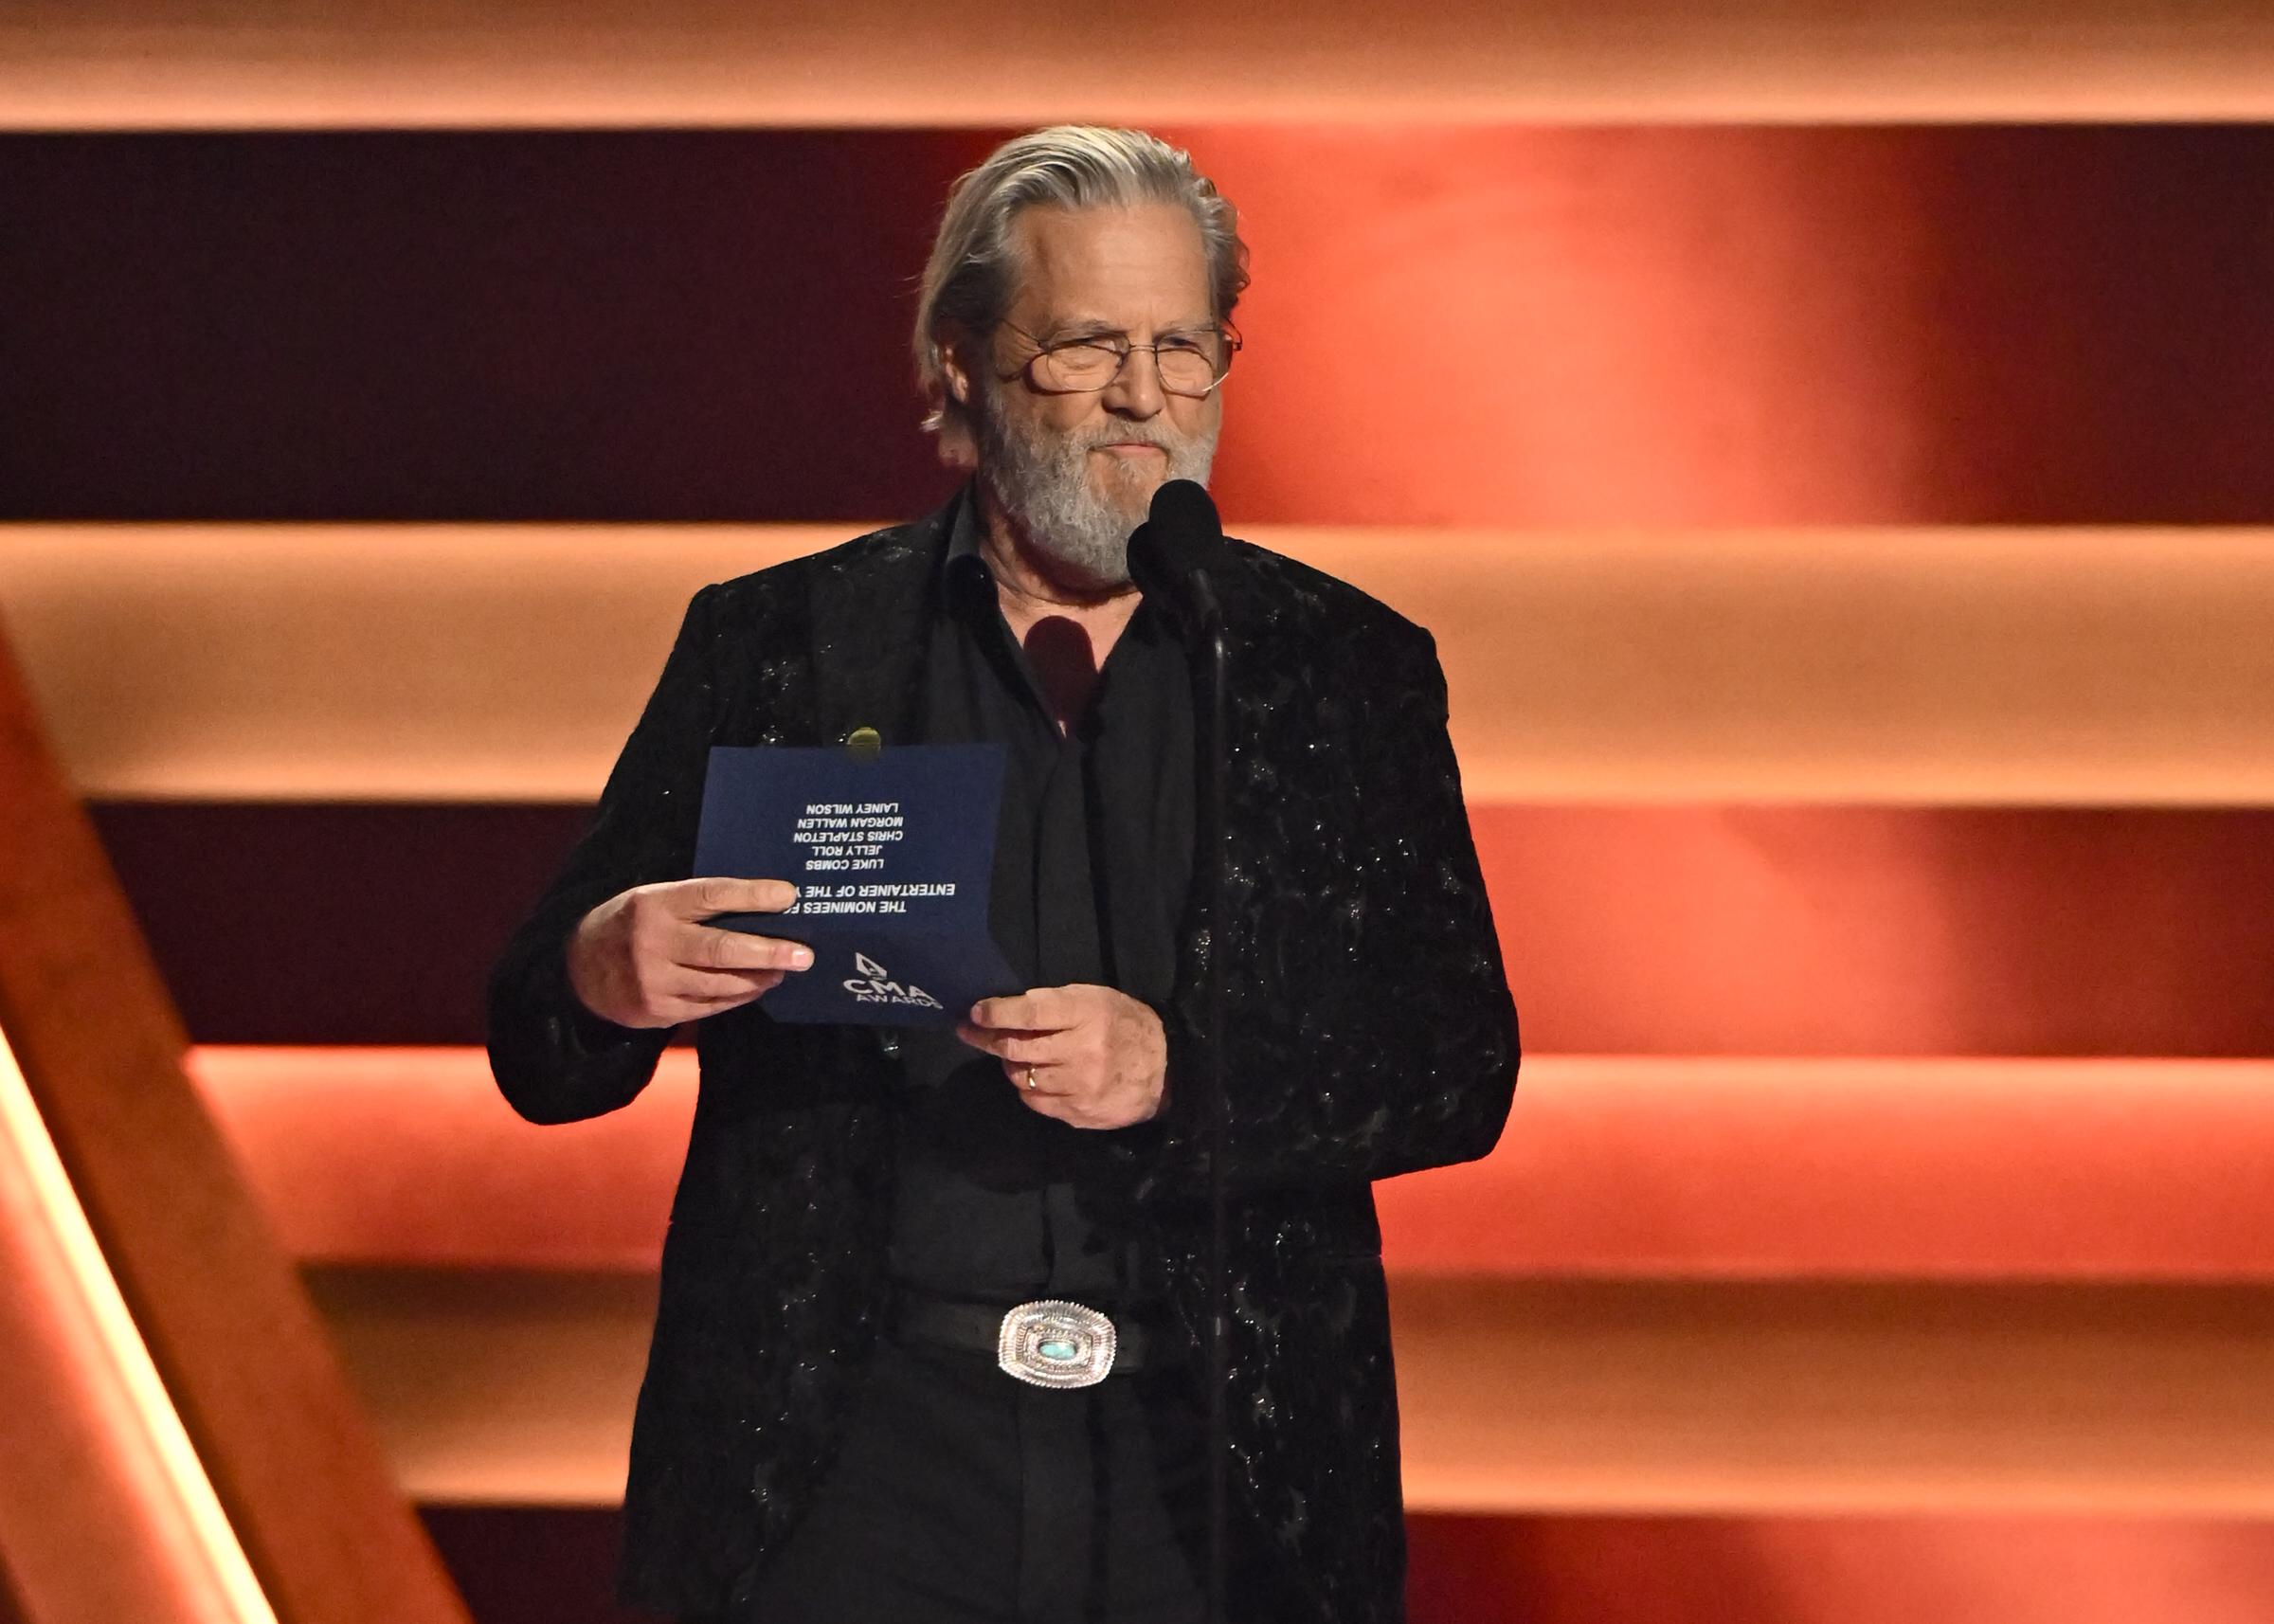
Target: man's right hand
(642,958)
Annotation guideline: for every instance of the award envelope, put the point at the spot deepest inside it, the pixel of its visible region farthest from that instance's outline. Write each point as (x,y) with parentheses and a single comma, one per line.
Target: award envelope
(891,855)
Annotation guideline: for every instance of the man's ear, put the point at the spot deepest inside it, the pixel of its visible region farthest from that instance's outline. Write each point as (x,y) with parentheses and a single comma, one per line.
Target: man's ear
(955,370)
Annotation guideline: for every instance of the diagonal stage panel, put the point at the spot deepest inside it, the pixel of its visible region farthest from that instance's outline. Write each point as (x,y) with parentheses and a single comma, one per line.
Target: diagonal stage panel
(90,1440)
(239,1364)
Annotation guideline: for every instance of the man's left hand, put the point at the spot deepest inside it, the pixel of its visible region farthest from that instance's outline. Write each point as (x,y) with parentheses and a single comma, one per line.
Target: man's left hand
(1088,1056)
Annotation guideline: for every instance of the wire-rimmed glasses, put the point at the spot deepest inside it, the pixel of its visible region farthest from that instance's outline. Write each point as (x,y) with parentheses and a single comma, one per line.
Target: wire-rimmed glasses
(1189,362)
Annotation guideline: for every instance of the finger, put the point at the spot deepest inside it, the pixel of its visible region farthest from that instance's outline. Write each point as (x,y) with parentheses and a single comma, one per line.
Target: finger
(1053,1080)
(1016,1048)
(707,948)
(1028,1048)
(720,894)
(676,1011)
(1042,1009)
(695,1008)
(980,1039)
(721,986)
(1049,1081)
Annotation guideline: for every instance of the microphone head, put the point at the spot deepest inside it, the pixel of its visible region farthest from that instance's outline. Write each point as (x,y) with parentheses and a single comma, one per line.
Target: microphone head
(1181,508)
(1170,553)
(1173,542)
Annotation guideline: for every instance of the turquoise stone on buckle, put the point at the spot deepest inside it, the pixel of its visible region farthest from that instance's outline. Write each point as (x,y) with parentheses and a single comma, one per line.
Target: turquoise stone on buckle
(1054,1344)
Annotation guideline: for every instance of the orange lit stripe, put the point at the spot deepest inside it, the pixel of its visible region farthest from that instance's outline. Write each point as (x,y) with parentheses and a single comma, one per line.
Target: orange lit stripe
(1942,1168)
(144,1436)
(1915,1168)
(1894,667)
(385,1155)
(103,64)
(1515,1395)
(1989,1569)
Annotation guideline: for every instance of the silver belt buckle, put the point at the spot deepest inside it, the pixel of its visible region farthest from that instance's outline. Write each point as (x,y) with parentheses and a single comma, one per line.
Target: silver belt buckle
(1051,1344)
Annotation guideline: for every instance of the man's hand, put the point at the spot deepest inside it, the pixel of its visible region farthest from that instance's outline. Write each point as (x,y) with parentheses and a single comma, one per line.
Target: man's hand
(1095,1057)
(642,959)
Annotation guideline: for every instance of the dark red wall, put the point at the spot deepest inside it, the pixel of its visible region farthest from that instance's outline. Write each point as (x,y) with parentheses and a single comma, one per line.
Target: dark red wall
(1522,325)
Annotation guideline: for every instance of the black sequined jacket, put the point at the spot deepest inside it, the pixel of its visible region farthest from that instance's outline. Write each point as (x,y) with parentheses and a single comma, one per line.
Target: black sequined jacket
(1369,1032)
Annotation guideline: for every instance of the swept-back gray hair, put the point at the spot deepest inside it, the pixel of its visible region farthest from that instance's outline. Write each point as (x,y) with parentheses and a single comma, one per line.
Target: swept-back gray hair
(969,280)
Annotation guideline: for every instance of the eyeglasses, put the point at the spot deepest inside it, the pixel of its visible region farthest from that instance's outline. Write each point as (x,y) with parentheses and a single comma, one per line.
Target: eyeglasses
(1189,362)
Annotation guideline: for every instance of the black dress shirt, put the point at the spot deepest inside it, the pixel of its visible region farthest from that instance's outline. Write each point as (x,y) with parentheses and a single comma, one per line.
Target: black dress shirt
(1092,861)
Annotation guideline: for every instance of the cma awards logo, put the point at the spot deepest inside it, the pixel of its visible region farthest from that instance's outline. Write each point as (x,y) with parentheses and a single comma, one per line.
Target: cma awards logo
(875,985)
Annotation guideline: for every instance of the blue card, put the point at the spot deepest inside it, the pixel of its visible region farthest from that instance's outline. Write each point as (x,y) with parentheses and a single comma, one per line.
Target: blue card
(892,857)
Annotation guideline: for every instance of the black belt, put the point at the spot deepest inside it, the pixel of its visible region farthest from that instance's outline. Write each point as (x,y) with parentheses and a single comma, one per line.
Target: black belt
(1049,1342)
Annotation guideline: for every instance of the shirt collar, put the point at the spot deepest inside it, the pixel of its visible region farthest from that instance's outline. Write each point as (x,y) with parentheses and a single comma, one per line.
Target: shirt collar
(963,570)
(968,583)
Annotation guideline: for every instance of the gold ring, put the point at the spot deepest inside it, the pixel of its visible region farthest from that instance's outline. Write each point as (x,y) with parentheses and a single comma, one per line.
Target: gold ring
(1030,1079)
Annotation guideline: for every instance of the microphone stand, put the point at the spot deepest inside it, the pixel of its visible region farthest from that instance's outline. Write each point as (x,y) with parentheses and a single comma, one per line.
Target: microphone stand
(1170,564)
(1213,703)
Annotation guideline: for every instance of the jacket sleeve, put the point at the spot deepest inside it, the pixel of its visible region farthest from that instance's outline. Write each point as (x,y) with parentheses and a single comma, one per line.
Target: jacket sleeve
(1401,1051)
(554,1059)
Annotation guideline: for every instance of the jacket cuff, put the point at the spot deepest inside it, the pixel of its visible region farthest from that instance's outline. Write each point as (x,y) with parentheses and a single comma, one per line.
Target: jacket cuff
(586,1034)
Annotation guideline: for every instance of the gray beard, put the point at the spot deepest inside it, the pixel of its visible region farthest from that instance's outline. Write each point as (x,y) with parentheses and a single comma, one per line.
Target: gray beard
(1041,480)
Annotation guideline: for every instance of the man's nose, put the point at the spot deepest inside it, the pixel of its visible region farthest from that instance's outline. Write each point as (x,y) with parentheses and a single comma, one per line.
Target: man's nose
(1135,390)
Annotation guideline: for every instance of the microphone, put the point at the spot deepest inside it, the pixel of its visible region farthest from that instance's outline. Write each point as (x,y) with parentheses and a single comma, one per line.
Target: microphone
(1169,553)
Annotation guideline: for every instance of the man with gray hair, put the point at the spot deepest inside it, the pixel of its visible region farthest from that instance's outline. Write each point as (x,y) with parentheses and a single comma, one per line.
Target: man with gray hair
(830,1429)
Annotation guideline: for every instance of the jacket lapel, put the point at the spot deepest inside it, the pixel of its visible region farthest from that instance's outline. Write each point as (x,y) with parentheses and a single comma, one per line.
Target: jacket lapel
(871,605)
